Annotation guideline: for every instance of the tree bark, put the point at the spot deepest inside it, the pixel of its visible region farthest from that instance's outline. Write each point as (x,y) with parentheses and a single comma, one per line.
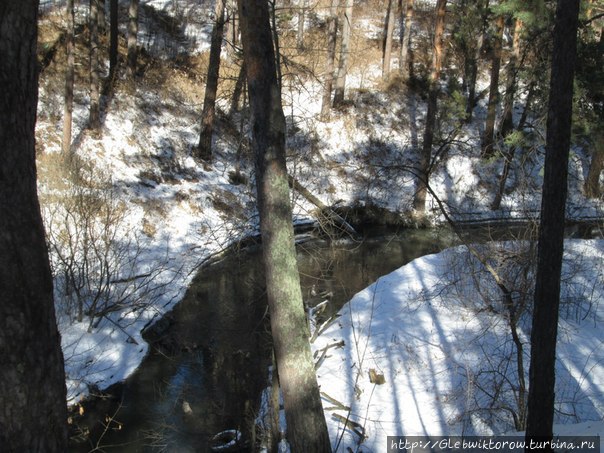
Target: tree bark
(338,98)
(404,62)
(113,36)
(592,182)
(551,231)
(423,171)
(204,148)
(488,140)
(332,34)
(306,427)
(69,79)
(473,66)
(387,55)
(507,122)
(132,32)
(94,120)
(33,412)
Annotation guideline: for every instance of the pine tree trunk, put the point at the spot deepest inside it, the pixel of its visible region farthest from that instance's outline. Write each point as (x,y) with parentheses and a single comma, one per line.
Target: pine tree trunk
(306,427)
(332,33)
(387,54)
(423,171)
(102,18)
(404,62)
(113,36)
(69,79)
(132,32)
(488,140)
(94,120)
(204,149)
(338,97)
(33,410)
(551,230)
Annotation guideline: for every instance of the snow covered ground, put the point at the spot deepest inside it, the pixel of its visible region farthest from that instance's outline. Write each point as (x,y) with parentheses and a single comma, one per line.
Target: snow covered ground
(442,352)
(411,326)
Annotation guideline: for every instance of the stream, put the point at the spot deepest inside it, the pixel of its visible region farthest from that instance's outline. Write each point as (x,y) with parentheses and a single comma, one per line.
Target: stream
(209,356)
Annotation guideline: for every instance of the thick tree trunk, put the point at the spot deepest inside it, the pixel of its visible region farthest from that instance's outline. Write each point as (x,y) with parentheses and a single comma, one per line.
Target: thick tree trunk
(33,411)
(132,32)
(69,78)
(404,62)
(204,149)
(389,28)
(423,171)
(332,33)
(338,98)
(306,427)
(94,120)
(551,230)
(113,36)
(488,140)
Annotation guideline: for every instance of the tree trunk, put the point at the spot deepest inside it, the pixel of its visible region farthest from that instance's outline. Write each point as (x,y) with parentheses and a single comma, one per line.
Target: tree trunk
(386,57)
(488,140)
(301,23)
(473,67)
(204,149)
(507,122)
(238,90)
(404,62)
(113,36)
(33,410)
(102,18)
(69,78)
(132,32)
(332,33)
(423,171)
(551,231)
(338,98)
(94,120)
(592,182)
(306,427)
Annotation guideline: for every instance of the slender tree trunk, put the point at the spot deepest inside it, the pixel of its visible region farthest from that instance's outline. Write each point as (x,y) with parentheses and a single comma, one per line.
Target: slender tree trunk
(306,427)
(551,230)
(488,140)
(33,409)
(113,36)
(69,78)
(102,18)
(338,98)
(387,54)
(404,62)
(509,156)
(592,182)
(204,149)
(332,33)
(301,21)
(473,67)
(94,120)
(507,122)
(423,172)
(238,90)
(132,32)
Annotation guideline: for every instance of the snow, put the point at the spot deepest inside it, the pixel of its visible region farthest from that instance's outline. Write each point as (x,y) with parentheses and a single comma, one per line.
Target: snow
(434,346)
(410,326)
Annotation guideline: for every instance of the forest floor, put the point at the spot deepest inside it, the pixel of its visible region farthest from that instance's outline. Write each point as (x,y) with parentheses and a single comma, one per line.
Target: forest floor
(171,213)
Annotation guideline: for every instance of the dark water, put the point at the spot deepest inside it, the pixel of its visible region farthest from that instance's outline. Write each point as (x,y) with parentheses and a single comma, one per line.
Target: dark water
(210,356)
